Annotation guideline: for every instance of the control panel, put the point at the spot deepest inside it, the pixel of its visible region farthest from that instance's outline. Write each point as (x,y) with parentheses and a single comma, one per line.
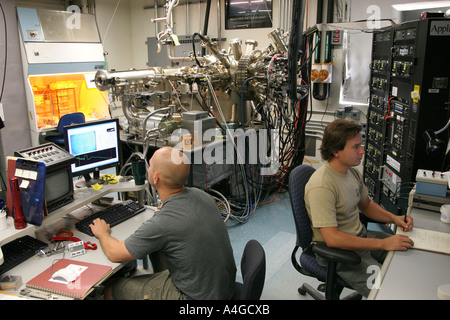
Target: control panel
(57,172)
(431,183)
(49,153)
(407,97)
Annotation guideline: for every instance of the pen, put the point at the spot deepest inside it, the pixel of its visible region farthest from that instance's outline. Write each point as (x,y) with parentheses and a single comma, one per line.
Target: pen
(404,229)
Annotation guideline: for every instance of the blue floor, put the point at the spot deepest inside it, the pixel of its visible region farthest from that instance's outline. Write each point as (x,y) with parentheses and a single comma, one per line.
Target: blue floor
(273,226)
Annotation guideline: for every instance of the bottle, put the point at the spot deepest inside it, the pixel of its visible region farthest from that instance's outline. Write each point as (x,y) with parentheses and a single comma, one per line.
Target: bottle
(19,219)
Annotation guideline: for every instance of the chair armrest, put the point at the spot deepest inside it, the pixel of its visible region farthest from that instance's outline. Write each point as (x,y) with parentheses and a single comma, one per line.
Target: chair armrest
(365,219)
(336,255)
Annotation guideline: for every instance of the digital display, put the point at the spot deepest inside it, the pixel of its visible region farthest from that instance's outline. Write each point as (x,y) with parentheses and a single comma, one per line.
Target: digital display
(76,248)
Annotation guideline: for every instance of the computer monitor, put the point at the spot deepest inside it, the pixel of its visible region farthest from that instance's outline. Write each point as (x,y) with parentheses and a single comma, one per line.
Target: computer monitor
(95,146)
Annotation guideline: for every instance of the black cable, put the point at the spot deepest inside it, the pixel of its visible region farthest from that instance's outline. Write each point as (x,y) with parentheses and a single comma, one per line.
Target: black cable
(205,25)
(4,186)
(295,46)
(193,48)
(6,53)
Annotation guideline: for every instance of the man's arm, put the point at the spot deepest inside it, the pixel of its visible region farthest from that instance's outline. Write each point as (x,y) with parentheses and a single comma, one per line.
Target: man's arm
(376,212)
(337,239)
(114,249)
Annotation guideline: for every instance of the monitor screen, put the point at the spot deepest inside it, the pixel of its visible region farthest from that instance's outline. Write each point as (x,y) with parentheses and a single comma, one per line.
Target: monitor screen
(58,188)
(95,146)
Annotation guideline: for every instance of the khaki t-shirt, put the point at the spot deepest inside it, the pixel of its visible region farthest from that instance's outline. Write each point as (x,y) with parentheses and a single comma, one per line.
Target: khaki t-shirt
(331,200)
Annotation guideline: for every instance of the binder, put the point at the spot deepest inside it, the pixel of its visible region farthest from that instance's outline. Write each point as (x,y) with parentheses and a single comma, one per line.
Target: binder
(93,275)
(31,176)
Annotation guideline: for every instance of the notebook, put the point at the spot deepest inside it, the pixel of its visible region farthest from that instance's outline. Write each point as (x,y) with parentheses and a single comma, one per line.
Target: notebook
(91,275)
(429,240)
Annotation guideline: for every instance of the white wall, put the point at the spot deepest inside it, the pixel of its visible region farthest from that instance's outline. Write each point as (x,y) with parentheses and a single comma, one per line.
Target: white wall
(15,135)
(114,24)
(131,25)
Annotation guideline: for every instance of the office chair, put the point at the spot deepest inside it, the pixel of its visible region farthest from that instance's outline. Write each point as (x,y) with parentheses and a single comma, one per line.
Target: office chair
(308,265)
(65,120)
(253,268)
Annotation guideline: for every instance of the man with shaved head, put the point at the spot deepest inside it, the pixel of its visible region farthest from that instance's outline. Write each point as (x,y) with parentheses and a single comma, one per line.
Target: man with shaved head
(188,231)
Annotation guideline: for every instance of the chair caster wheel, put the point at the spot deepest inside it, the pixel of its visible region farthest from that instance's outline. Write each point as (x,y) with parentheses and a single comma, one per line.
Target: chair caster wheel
(301,291)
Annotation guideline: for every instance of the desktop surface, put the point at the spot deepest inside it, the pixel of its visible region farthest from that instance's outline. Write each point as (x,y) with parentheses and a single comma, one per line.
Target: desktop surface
(35,265)
(415,274)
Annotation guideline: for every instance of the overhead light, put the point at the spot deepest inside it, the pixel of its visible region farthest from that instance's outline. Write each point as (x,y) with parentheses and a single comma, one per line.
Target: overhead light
(420,5)
(248,2)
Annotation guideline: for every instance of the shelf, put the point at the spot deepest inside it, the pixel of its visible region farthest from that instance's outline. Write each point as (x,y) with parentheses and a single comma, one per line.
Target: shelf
(82,197)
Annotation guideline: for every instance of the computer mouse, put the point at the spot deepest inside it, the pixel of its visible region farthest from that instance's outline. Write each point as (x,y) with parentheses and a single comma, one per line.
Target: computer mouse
(66,274)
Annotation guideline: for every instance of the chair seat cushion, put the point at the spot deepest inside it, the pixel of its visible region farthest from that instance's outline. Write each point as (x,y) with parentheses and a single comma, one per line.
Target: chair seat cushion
(309,262)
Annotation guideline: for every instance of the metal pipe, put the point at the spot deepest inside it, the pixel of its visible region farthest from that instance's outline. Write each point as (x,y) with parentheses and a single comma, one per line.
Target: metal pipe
(160,19)
(126,108)
(84,6)
(170,55)
(169,16)
(200,15)
(205,25)
(280,15)
(219,22)
(156,17)
(105,80)
(186,17)
(144,126)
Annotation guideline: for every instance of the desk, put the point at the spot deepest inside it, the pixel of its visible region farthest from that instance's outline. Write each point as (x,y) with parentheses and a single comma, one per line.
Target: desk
(82,197)
(415,274)
(35,265)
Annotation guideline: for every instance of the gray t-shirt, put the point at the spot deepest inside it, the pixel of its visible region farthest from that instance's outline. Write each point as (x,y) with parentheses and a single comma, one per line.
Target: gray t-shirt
(190,232)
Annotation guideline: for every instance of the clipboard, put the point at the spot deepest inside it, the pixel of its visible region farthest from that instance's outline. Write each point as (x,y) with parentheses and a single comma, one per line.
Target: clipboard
(31,176)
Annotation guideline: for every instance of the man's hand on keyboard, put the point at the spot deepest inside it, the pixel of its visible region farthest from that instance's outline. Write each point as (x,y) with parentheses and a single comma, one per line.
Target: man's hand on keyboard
(99,227)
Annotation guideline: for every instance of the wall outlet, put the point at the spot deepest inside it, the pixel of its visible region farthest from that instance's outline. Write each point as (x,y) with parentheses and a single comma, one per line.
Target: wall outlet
(340,113)
(355,114)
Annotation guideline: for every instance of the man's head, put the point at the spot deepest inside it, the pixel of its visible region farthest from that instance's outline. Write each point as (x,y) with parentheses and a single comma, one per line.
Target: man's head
(336,135)
(169,168)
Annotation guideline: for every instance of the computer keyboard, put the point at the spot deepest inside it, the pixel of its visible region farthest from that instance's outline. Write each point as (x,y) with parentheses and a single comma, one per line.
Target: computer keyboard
(113,215)
(19,250)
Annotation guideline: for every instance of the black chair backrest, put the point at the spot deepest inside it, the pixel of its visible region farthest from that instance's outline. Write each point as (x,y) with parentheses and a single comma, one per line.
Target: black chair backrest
(253,268)
(298,178)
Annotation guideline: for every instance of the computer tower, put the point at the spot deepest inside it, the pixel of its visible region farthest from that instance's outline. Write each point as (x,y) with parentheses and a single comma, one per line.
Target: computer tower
(409,94)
